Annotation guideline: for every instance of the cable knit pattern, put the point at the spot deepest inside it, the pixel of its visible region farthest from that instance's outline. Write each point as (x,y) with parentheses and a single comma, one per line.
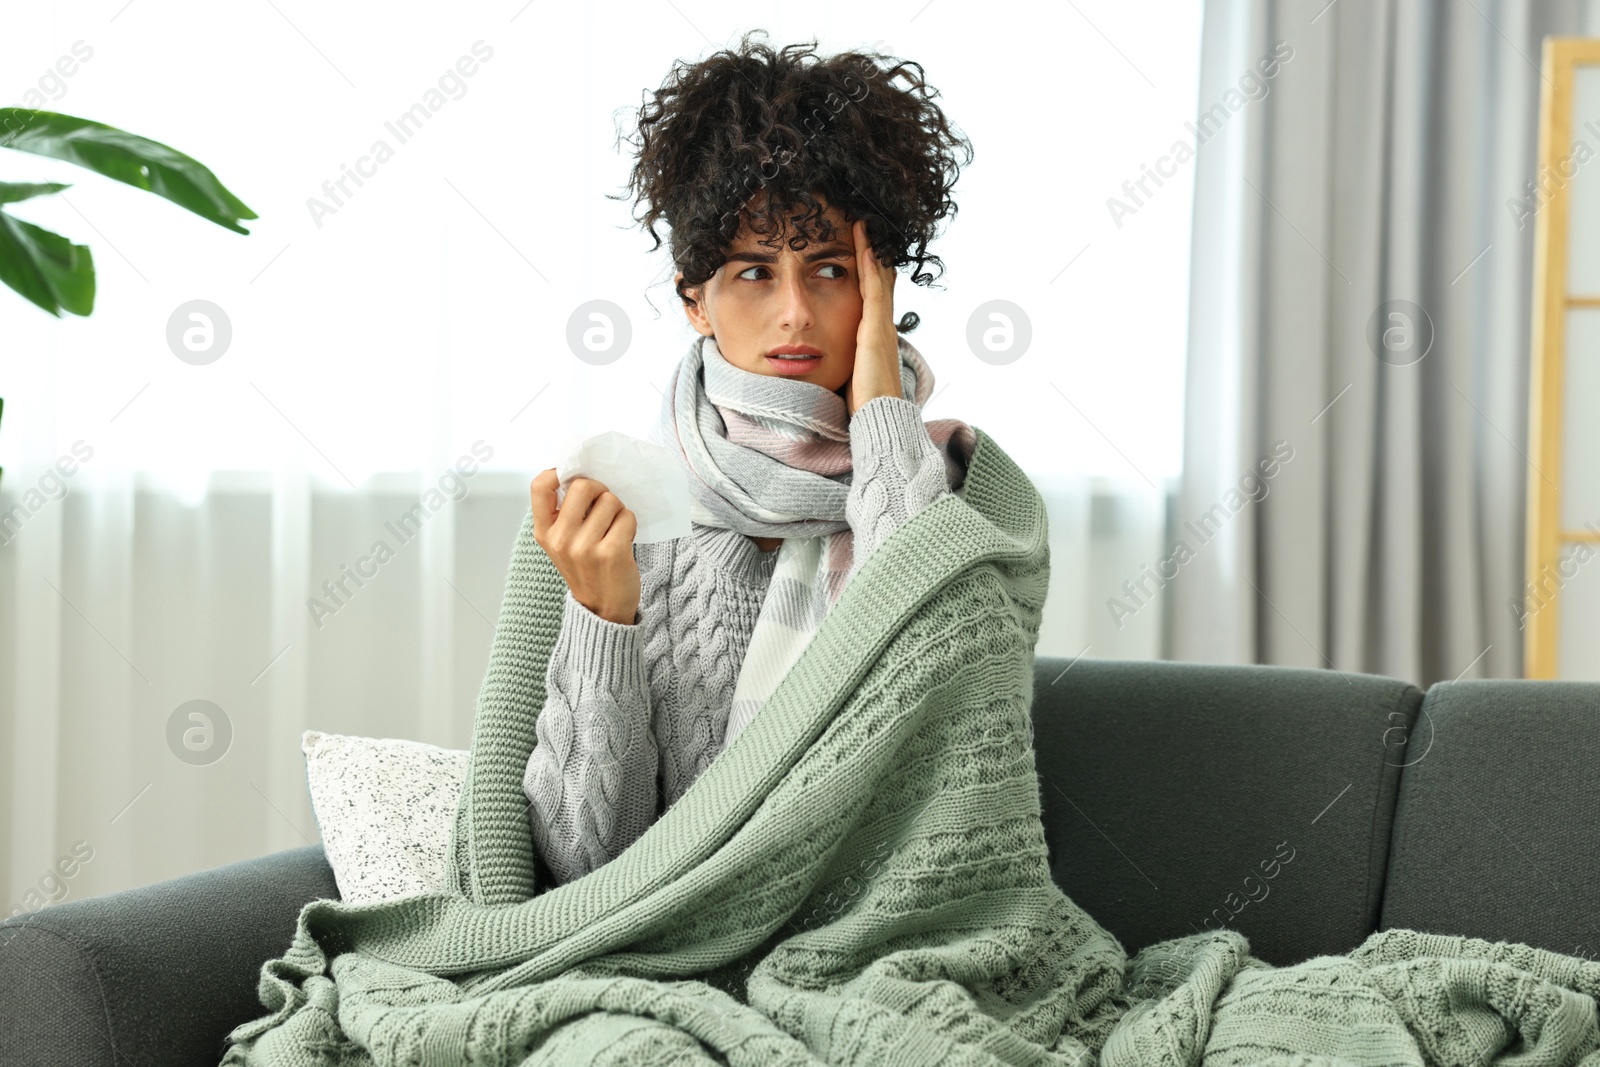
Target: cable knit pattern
(707,629)
(699,599)
(898,471)
(578,776)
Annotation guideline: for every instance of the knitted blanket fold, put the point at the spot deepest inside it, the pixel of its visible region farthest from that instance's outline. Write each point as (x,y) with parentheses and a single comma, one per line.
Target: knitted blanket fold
(860,878)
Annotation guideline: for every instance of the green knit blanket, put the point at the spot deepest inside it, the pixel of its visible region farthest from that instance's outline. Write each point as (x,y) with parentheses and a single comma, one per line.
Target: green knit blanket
(860,878)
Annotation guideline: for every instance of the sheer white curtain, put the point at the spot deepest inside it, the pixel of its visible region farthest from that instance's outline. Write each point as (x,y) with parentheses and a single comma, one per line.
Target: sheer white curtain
(399,348)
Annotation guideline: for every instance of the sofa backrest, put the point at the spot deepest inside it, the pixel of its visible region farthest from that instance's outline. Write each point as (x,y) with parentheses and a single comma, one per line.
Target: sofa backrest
(1181,796)
(1495,827)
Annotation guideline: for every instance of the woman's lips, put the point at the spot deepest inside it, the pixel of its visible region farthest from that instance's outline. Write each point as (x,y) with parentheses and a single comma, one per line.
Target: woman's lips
(794,366)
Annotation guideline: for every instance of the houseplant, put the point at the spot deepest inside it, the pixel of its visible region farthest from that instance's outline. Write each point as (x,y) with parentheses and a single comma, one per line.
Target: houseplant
(49,269)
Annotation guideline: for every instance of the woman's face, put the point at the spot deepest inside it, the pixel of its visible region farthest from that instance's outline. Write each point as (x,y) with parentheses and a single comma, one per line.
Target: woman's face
(763,298)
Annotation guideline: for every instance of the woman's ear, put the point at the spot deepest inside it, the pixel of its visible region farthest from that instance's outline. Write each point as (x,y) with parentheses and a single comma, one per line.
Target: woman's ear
(695,311)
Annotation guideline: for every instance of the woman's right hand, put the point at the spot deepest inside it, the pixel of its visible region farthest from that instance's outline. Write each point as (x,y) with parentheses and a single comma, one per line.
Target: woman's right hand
(590,540)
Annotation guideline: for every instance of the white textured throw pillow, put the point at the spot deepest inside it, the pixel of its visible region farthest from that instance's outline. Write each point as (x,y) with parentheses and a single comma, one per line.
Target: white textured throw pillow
(385,807)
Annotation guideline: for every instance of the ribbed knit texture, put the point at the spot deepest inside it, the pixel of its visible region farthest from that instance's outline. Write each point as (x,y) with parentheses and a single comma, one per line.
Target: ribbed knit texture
(860,879)
(613,751)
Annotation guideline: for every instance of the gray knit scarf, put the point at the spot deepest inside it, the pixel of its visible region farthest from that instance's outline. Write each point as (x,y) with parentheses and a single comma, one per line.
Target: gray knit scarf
(770,457)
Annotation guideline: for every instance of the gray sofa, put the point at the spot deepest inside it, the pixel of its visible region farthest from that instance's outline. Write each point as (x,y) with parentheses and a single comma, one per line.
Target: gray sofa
(1305,808)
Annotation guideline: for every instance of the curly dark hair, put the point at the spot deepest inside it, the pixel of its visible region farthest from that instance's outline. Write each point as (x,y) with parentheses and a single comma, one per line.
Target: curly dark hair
(749,134)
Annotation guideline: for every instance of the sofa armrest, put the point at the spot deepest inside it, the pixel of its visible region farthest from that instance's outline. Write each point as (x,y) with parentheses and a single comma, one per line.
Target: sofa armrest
(158,974)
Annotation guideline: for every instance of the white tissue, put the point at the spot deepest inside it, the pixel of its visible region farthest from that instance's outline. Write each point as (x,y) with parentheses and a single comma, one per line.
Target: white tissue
(646,477)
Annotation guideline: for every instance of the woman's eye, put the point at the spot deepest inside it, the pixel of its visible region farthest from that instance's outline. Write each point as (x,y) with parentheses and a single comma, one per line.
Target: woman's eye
(744,274)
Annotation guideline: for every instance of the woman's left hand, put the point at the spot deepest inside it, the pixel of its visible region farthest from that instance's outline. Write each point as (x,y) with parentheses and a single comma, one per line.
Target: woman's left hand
(877,367)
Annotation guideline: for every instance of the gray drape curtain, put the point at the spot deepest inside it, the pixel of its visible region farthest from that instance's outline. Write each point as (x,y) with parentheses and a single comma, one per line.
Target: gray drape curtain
(1357,388)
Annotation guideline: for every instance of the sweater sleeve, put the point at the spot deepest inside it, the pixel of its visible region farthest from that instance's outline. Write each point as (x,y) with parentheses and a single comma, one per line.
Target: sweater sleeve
(591,778)
(898,472)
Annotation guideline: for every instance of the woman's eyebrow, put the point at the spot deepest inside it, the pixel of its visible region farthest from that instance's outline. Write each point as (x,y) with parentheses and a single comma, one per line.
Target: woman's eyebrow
(832,251)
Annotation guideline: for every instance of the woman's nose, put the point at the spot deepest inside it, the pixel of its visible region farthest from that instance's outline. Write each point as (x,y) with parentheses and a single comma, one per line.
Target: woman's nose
(795,300)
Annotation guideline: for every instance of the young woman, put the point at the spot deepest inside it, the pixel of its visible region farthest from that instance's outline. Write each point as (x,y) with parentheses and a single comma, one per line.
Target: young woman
(793,191)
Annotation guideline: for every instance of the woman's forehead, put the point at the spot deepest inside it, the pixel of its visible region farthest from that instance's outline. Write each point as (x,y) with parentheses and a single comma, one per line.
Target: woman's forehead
(833,226)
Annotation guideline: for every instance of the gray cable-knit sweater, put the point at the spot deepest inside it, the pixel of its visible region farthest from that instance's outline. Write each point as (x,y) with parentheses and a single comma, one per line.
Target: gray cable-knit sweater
(634,713)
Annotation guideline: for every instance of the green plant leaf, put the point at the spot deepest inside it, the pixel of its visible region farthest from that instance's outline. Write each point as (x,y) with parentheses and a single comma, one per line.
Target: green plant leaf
(137,161)
(46,267)
(11,192)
